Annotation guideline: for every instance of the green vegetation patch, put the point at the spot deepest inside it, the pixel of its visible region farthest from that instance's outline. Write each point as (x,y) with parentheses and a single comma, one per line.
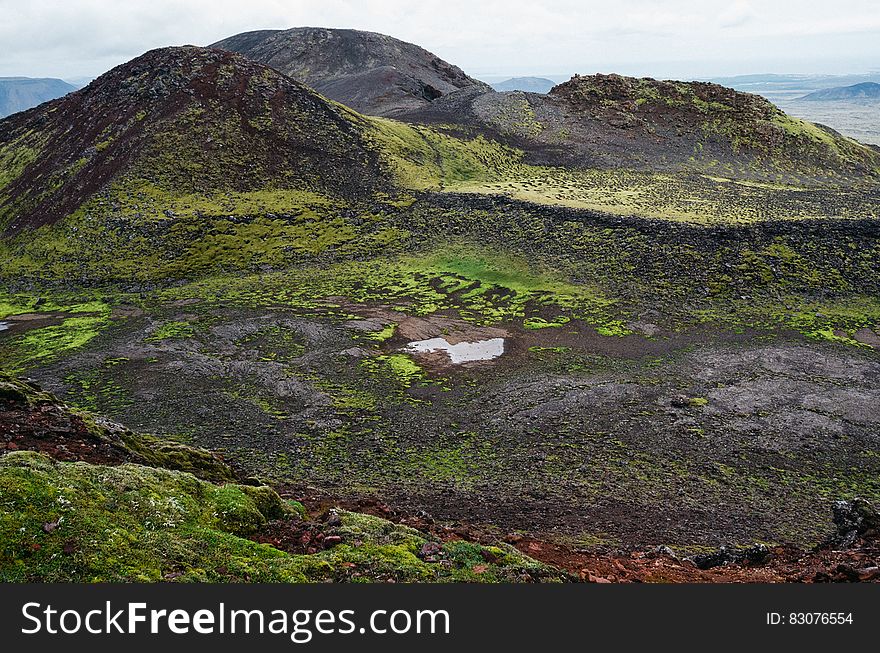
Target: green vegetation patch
(484,286)
(175,330)
(48,343)
(63,522)
(425,158)
(128,523)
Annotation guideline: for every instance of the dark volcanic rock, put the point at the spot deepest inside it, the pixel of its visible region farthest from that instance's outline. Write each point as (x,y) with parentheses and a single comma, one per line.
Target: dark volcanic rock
(754,555)
(643,123)
(32,419)
(854,519)
(371,73)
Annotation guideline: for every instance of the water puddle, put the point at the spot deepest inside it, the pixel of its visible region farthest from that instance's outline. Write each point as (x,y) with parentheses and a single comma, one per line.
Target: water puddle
(15,324)
(462,352)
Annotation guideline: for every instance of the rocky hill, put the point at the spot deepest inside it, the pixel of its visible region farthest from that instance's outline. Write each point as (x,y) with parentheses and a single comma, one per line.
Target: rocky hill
(179,121)
(616,121)
(371,73)
(20,93)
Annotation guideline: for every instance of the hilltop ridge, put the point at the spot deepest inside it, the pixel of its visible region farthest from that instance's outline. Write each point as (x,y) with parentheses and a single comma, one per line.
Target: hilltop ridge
(369,72)
(602,121)
(861,91)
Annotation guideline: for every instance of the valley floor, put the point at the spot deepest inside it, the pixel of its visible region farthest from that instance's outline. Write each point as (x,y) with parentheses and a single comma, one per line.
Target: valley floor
(592,429)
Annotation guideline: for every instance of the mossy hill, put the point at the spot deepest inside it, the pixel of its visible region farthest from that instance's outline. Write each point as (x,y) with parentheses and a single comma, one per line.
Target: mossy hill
(712,120)
(186,144)
(613,121)
(31,418)
(188,160)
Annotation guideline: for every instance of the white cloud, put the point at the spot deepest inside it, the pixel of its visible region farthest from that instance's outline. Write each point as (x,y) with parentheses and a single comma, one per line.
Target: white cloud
(737,14)
(683,37)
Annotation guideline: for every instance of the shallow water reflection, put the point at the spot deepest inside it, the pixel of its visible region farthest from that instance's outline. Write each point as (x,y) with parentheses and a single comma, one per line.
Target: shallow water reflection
(462,352)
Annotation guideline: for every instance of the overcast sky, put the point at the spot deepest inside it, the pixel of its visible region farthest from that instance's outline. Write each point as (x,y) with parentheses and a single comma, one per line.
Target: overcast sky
(675,38)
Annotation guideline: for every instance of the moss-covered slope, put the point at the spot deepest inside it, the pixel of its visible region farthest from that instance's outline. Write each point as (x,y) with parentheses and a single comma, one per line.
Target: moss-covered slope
(713,120)
(93,523)
(188,161)
(612,121)
(31,418)
(112,505)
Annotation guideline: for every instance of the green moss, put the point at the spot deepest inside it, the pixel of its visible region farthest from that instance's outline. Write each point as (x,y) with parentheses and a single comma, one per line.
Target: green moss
(171,331)
(386,333)
(8,308)
(168,454)
(15,156)
(424,158)
(41,345)
(350,399)
(298,509)
(127,523)
(132,523)
(541,323)
(399,367)
(15,390)
(48,343)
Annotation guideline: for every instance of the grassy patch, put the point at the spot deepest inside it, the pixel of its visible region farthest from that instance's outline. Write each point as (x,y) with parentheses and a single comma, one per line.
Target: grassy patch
(133,523)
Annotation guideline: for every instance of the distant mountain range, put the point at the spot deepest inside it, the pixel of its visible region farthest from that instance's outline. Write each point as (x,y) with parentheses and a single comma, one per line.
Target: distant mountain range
(529,84)
(20,93)
(863,91)
(782,82)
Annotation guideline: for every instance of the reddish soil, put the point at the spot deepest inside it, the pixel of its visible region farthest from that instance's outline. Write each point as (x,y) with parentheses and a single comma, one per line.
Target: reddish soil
(858,561)
(54,430)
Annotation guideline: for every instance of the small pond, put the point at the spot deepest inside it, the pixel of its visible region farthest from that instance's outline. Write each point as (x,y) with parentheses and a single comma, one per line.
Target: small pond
(462,352)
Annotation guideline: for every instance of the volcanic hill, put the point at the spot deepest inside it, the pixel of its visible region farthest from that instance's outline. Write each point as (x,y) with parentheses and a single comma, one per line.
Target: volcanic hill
(178,121)
(369,72)
(616,121)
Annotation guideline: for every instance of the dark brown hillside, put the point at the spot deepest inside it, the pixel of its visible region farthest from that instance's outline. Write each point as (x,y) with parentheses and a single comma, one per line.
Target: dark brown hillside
(184,120)
(371,73)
